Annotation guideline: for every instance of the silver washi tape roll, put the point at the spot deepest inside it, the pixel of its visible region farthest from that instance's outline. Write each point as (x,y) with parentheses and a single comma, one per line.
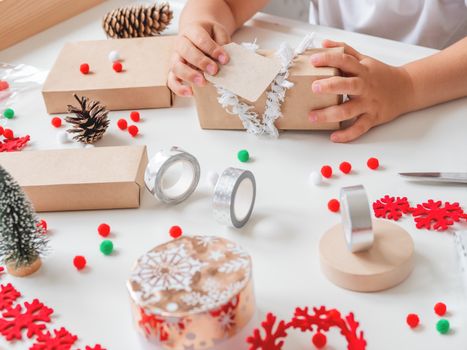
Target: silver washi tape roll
(356,218)
(172,176)
(234,197)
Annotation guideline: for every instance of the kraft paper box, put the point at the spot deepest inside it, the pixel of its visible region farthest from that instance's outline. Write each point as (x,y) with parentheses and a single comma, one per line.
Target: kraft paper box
(79,179)
(21,19)
(299,99)
(141,84)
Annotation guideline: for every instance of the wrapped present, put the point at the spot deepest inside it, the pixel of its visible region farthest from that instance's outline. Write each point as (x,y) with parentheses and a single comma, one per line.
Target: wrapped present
(141,83)
(195,292)
(264,91)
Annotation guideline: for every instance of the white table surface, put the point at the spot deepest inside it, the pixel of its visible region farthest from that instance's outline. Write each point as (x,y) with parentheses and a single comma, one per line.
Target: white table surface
(289,217)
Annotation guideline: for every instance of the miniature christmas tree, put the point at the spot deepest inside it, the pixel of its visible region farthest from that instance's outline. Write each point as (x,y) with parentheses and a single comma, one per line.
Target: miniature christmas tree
(22,240)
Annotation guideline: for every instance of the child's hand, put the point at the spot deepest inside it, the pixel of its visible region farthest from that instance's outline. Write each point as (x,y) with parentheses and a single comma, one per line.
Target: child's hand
(378,92)
(197,50)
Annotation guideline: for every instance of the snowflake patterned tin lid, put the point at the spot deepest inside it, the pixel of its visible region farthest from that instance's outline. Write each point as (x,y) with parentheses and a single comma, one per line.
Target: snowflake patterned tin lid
(192,293)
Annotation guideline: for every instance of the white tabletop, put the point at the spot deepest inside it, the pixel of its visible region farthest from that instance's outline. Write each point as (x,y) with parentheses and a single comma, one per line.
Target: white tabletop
(289,217)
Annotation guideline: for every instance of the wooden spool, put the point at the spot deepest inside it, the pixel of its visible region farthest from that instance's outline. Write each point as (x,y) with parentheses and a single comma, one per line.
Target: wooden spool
(386,264)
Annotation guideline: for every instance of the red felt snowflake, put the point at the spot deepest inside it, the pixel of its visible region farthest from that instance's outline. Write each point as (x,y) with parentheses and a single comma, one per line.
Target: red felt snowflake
(273,339)
(8,295)
(391,207)
(433,214)
(33,318)
(95,347)
(321,320)
(15,144)
(61,340)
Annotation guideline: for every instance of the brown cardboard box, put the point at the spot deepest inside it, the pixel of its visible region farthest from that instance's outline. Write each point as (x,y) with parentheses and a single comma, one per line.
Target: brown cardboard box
(20,19)
(141,84)
(80,179)
(298,102)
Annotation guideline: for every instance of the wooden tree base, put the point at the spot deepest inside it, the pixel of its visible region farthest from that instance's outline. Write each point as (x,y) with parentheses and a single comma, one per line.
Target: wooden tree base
(24,271)
(386,264)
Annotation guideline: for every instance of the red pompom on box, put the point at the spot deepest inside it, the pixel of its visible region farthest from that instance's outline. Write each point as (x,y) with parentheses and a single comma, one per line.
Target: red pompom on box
(84,68)
(117,66)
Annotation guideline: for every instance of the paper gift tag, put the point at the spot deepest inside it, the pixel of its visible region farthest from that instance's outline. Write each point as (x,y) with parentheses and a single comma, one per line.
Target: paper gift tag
(247,74)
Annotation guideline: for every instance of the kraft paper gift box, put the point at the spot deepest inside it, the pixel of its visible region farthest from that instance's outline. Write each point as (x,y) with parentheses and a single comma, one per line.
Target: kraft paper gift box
(21,19)
(79,179)
(299,99)
(141,84)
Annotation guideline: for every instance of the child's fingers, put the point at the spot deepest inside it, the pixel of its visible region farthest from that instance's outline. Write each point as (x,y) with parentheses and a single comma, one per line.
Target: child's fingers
(204,42)
(186,73)
(347,110)
(195,57)
(177,87)
(343,61)
(361,126)
(339,85)
(347,49)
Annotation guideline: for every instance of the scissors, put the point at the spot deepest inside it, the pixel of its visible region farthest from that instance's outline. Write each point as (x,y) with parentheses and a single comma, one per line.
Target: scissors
(437,177)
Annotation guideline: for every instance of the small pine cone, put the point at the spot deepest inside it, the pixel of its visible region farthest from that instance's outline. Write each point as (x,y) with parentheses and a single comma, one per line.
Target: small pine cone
(90,121)
(137,21)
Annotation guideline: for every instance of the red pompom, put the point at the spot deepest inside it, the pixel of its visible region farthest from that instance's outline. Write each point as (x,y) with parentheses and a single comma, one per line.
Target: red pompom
(117,66)
(57,122)
(135,116)
(319,340)
(440,309)
(79,262)
(8,134)
(4,85)
(326,171)
(373,163)
(122,124)
(175,231)
(43,225)
(1,130)
(133,130)
(413,320)
(334,205)
(345,167)
(84,68)
(103,230)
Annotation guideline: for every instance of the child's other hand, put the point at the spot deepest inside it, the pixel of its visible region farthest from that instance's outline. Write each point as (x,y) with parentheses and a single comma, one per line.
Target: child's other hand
(198,48)
(378,93)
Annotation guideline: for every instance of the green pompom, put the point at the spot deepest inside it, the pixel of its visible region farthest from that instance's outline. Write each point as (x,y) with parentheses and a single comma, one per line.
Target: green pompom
(9,113)
(107,247)
(442,326)
(243,156)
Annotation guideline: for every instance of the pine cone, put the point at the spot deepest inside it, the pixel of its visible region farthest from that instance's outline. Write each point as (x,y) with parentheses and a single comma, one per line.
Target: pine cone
(90,121)
(137,20)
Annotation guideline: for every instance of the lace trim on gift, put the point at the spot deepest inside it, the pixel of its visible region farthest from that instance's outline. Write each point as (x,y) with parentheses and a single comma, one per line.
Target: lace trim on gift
(275,95)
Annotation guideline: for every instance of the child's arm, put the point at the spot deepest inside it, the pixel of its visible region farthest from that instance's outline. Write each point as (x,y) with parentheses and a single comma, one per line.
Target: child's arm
(206,25)
(380,93)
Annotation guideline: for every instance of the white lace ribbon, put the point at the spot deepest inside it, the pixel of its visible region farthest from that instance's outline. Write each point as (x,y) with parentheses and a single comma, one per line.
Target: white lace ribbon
(274,96)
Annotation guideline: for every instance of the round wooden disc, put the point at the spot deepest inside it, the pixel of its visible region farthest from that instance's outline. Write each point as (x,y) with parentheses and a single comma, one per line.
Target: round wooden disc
(386,264)
(24,271)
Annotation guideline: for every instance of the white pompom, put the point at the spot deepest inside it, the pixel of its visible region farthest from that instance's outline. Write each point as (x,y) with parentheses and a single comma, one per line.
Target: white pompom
(212,178)
(114,56)
(315,178)
(62,137)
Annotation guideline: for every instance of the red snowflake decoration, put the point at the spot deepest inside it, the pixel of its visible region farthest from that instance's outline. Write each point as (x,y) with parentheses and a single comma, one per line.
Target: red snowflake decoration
(33,318)
(15,144)
(321,320)
(391,207)
(61,340)
(152,324)
(8,295)
(1,269)
(95,347)
(433,214)
(273,338)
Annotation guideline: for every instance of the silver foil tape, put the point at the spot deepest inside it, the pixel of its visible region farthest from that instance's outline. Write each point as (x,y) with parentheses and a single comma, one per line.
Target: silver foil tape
(168,183)
(234,197)
(356,218)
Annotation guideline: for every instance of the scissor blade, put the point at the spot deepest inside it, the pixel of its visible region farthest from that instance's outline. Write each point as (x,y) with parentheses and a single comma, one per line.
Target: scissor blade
(437,176)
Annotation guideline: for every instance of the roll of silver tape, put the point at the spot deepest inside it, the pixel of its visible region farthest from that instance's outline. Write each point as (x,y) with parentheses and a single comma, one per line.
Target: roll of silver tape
(172,176)
(234,197)
(356,218)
